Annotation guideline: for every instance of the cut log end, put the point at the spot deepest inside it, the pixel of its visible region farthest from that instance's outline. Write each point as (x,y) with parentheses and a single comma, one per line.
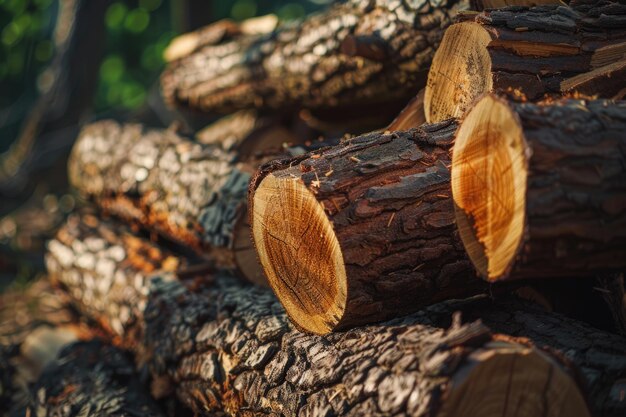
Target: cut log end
(299,230)
(489,186)
(460,73)
(512,379)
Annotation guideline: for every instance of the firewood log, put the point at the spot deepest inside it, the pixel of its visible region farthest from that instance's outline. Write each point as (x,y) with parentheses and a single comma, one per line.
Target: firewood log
(356,53)
(192,193)
(362,231)
(540,189)
(228,346)
(529,51)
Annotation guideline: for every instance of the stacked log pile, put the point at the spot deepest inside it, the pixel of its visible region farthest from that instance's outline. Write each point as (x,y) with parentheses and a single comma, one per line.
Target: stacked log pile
(396,258)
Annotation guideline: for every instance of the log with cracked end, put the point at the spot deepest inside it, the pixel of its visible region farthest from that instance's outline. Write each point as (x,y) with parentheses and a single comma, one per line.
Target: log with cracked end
(363,231)
(230,347)
(540,189)
(91,378)
(358,52)
(534,51)
(192,193)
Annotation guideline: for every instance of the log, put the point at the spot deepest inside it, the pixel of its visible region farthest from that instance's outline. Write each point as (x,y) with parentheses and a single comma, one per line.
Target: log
(191,193)
(526,51)
(605,81)
(91,379)
(98,249)
(356,53)
(227,346)
(35,324)
(363,231)
(542,191)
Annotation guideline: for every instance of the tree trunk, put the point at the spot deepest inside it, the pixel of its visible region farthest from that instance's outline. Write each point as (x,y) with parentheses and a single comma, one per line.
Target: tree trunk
(48,131)
(542,192)
(229,347)
(91,379)
(356,53)
(363,231)
(532,52)
(192,193)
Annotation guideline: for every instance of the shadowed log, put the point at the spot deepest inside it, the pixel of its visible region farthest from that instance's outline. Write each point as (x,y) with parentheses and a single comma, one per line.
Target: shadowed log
(363,231)
(35,324)
(91,379)
(530,51)
(229,347)
(411,116)
(605,81)
(358,52)
(540,190)
(192,193)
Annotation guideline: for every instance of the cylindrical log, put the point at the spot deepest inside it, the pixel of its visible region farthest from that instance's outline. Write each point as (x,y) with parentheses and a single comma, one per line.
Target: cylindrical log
(91,379)
(362,231)
(357,52)
(540,190)
(528,51)
(192,193)
(229,347)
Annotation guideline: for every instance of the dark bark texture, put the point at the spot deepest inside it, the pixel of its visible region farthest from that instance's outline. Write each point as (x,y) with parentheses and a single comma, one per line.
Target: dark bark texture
(227,346)
(35,324)
(576,188)
(91,379)
(388,198)
(358,51)
(534,50)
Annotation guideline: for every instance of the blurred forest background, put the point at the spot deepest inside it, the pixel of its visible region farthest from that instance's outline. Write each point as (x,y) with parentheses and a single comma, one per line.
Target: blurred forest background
(67,62)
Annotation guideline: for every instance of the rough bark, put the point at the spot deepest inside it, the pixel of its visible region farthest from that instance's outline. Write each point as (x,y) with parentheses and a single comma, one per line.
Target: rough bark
(90,379)
(189,192)
(355,53)
(382,204)
(229,347)
(98,250)
(528,51)
(542,193)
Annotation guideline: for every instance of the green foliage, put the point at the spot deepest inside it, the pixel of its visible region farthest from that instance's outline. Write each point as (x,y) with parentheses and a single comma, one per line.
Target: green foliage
(138,31)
